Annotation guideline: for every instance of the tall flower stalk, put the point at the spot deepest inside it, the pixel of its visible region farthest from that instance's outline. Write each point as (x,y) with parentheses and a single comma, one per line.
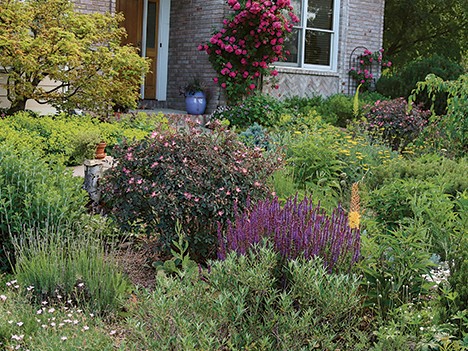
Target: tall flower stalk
(299,228)
(354,216)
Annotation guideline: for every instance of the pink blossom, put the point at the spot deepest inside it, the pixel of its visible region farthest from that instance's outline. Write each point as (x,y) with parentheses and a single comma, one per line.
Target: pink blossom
(223,85)
(252,86)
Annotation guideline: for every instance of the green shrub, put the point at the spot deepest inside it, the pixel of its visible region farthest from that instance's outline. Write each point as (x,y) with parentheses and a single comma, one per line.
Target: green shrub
(72,139)
(401,202)
(35,195)
(298,123)
(459,260)
(337,110)
(447,134)
(190,175)
(256,108)
(440,171)
(391,122)
(313,157)
(299,105)
(415,326)
(402,82)
(393,266)
(252,302)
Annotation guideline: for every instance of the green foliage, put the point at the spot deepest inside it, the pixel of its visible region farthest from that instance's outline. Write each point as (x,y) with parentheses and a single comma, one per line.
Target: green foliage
(299,105)
(459,257)
(402,82)
(72,139)
(440,171)
(434,29)
(190,175)
(47,326)
(262,109)
(337,110)
(315,163)
(415,326)
(180,263)
(392,122)
(393,266)
(63,265)
(35,195)
(449,133)
(81,52)
(252,302)
(425,190)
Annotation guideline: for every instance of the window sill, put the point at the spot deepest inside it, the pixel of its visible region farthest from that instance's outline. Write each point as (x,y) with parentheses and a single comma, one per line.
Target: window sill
(306,71)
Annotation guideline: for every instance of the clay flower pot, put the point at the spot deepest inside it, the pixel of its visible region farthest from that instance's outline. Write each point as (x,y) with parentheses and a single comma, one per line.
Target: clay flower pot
(101,150)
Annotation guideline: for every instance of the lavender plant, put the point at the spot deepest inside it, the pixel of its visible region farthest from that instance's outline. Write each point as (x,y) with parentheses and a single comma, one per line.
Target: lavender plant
(296,229)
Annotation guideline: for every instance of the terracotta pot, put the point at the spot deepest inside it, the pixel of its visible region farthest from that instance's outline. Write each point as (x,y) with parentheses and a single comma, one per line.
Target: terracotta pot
(101,150)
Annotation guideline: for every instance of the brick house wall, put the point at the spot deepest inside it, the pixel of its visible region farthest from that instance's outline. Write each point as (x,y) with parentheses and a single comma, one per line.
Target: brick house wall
(90,6)
(192,22)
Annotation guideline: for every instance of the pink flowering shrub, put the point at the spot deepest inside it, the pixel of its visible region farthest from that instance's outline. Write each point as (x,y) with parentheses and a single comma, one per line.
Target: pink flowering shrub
(251,39)
(392,122)
(362,74)
(188,175)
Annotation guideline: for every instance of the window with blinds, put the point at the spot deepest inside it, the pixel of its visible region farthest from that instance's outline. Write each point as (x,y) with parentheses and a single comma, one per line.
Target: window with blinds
(314,40)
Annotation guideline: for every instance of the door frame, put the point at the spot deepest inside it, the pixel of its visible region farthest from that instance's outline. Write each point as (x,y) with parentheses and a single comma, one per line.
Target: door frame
(162,58)
(162,43)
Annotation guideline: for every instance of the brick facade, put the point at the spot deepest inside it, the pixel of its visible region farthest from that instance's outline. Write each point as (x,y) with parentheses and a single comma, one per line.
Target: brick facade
(192,22)
(90,6)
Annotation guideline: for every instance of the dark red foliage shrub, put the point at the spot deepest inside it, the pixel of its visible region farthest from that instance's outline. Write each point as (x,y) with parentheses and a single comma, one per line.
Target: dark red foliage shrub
(391,121)
(296,229)
(189,175)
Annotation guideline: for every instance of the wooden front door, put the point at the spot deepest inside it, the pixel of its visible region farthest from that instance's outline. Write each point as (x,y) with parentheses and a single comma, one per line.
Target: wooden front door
(133,11)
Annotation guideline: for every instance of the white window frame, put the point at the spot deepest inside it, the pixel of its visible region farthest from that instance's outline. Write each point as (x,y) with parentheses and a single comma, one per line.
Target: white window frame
(332,67)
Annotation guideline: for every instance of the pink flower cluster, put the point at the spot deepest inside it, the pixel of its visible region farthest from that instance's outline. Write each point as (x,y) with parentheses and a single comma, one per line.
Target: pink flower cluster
(248,43)
(362,74)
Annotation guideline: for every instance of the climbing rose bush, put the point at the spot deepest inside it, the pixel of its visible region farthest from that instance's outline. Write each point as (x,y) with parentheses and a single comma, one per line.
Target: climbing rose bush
(362,74)
(251,39)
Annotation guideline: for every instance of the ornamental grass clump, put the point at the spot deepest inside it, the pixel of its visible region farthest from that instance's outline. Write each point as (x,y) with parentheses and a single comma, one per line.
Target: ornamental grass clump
(298,229)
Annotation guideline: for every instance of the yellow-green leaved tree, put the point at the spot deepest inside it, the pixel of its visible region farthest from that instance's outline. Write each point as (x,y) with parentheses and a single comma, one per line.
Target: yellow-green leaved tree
(81,53)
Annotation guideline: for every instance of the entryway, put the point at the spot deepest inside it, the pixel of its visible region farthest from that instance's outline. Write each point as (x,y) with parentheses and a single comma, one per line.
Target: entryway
(147,25)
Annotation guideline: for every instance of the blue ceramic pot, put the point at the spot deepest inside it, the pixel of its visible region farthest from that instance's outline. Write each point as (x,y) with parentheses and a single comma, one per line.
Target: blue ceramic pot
(195,103)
